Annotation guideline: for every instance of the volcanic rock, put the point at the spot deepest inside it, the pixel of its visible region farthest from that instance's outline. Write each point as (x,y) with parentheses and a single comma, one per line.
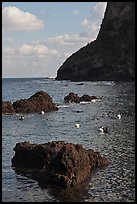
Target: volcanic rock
(7,108)
(40,101)
(72,97)
(59,163)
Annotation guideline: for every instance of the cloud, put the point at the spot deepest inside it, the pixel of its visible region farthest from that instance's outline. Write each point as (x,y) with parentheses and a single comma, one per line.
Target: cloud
(98,10)
(43,57)
(30,59)
(85,22)
(8,51)
(67,39)
(76,12)
(7,39)
(33,59)
(14,19)
(91,25)
(29,50)
(92,22)
(38,50)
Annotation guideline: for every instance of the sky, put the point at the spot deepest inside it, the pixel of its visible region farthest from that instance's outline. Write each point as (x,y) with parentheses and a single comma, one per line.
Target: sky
(37,37)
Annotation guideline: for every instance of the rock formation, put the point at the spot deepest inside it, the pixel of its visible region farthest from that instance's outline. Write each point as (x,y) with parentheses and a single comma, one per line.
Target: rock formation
(59,163)
(7,108)
(74,98)
(40,101)
(112,55)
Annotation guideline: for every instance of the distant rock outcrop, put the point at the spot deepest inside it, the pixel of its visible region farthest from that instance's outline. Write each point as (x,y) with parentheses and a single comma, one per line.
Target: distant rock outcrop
(40,101)
(112,55)
(74,98)
(59,163)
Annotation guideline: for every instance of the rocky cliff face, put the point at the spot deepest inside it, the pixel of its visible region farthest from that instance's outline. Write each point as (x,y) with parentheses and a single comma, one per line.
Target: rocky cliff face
(112,55)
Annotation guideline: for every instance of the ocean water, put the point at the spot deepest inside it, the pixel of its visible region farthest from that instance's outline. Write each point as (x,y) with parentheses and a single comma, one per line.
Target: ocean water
(114,183)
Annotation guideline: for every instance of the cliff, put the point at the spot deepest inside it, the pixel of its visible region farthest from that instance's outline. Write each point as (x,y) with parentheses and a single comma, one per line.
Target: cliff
(112,55)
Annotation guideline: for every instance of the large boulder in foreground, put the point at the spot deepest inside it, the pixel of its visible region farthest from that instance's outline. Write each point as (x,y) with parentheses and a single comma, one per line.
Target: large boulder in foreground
(74,98)
(40,101)
(59,163)
(7,108)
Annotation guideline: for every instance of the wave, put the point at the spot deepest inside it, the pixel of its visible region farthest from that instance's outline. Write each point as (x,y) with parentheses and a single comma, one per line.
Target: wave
(62,106)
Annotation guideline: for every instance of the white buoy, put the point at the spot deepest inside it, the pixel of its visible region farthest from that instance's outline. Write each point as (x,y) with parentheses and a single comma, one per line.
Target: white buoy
(77,125)
(42,112)
(103,129)
(93,100)
(21,117)
(119,116)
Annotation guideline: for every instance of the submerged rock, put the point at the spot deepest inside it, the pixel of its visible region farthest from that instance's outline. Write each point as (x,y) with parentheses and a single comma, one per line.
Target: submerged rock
(59,163)
(72,97)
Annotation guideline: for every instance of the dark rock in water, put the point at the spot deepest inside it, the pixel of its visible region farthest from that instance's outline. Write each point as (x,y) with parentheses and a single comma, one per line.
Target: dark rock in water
(86,97)
(80,84)
(7,108)
(59,163)
(112,55)
(72,97)
(40,101)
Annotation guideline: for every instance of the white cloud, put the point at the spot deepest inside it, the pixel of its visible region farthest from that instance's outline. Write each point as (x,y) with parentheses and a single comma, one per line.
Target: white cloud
(39,50)
(14,19)
(63,55)
(75,12)
(33,59)
(98,10)
(43,57)
(8,51)
(7,39)
(8,62)
(92,22)
(85,22)
(67,39)
(28,50)
(30,59)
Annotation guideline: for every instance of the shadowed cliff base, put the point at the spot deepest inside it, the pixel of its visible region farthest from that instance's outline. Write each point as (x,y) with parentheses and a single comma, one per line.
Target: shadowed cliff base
(111,56)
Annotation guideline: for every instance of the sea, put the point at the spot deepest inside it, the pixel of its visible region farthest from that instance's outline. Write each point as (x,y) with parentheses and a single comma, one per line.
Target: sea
(115,182)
